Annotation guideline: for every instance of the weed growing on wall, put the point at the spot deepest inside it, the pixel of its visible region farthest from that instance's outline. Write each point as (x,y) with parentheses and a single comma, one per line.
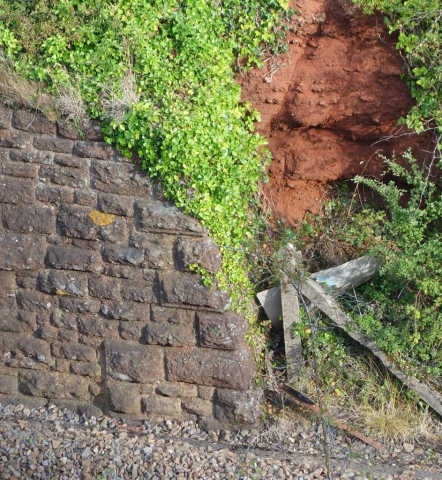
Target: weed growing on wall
(158,76)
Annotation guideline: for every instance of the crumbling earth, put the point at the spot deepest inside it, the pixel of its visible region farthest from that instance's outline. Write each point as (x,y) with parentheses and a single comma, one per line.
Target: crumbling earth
(328,105)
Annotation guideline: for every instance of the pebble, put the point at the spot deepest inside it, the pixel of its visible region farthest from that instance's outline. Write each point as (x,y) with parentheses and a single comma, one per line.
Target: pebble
(48,442)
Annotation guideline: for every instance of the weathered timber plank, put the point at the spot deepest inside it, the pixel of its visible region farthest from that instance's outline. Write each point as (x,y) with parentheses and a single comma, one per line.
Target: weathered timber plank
(316,294)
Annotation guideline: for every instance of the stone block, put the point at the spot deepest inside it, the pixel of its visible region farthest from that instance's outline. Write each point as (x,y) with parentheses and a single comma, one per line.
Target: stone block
(63,282)
(16,169)
(79,305)
(74,351)
(166,334)
(174,316)
(74,258)
(14,139)
(157,249)
(116,204)
(7,284)
(155,216)
(120,178)
(98,327)
(102,286)
(198,406)
(30,122)
(28,156)
(82,222)
(16,190)
(12,372)
(90,341)
(65,176)
(53,144)
(213,368)
(13,321)
(64,320)
(61,365)
(85,197)
(5,117)
(49,194)
(22,252)
(99,150)
(147,389)
(92,245)
(27,279)
(68,130)
(8,385)
(52,334)
(132,362)
(181,390)
(188,289)
(239,407)
(124,397)
(34,347)
(225,331)
(92,370)
(123,255)
(53,385)
(34,301)
(201,251)
(72,162)
(205,392)
(169,407)
(132,331)
(9,342)
(7,302)
(121,271)
(129,311)
(30,218)
(138,291)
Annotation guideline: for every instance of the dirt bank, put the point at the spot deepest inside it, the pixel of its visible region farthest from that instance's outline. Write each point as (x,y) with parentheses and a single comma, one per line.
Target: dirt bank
(326,105)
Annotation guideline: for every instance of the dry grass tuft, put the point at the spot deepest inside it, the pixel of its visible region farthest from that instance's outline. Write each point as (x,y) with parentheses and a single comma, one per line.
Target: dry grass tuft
(70,104)
(117,103)
(382,409)
(17,91)
(391,417)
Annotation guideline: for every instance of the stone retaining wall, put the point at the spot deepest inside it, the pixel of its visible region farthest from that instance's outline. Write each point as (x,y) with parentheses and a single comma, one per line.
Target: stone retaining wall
(98,307)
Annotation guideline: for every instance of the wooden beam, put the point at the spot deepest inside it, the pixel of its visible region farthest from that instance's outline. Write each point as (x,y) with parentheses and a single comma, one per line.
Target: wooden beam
(316,294)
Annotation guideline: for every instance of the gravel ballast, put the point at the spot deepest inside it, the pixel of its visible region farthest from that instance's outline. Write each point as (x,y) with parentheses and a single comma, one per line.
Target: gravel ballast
(54,443)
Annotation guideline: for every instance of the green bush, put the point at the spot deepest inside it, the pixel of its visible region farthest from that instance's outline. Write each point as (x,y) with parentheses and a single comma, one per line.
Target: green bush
(401,309)
(419,27)
(158,76)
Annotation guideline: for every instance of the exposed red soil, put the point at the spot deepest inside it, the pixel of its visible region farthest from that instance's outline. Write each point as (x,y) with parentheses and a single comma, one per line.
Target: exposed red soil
(326,105)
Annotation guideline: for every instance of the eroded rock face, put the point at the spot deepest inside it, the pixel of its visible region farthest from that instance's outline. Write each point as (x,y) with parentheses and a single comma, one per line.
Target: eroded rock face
(327,104)
(98,305)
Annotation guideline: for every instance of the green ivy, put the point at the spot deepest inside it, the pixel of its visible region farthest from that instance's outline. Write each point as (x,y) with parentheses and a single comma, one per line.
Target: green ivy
(158,76)
(418,24)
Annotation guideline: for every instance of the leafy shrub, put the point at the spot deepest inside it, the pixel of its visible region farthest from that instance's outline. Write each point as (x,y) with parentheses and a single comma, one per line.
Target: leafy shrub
(418,23)
(158,75)
(400,308)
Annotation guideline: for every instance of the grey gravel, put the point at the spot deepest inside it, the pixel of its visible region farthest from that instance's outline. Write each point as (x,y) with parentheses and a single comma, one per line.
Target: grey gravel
(54,443)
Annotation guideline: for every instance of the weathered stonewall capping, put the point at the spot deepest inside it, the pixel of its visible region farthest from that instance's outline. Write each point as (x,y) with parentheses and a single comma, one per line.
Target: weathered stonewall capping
(98,306)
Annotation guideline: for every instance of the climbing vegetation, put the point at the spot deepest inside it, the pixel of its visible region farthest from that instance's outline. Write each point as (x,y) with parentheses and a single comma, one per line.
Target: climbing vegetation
(419,28)
(159,77)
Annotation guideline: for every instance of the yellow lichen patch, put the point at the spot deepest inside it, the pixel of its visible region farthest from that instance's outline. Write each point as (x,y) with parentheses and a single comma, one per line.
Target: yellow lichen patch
(100,218)
(61,292)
